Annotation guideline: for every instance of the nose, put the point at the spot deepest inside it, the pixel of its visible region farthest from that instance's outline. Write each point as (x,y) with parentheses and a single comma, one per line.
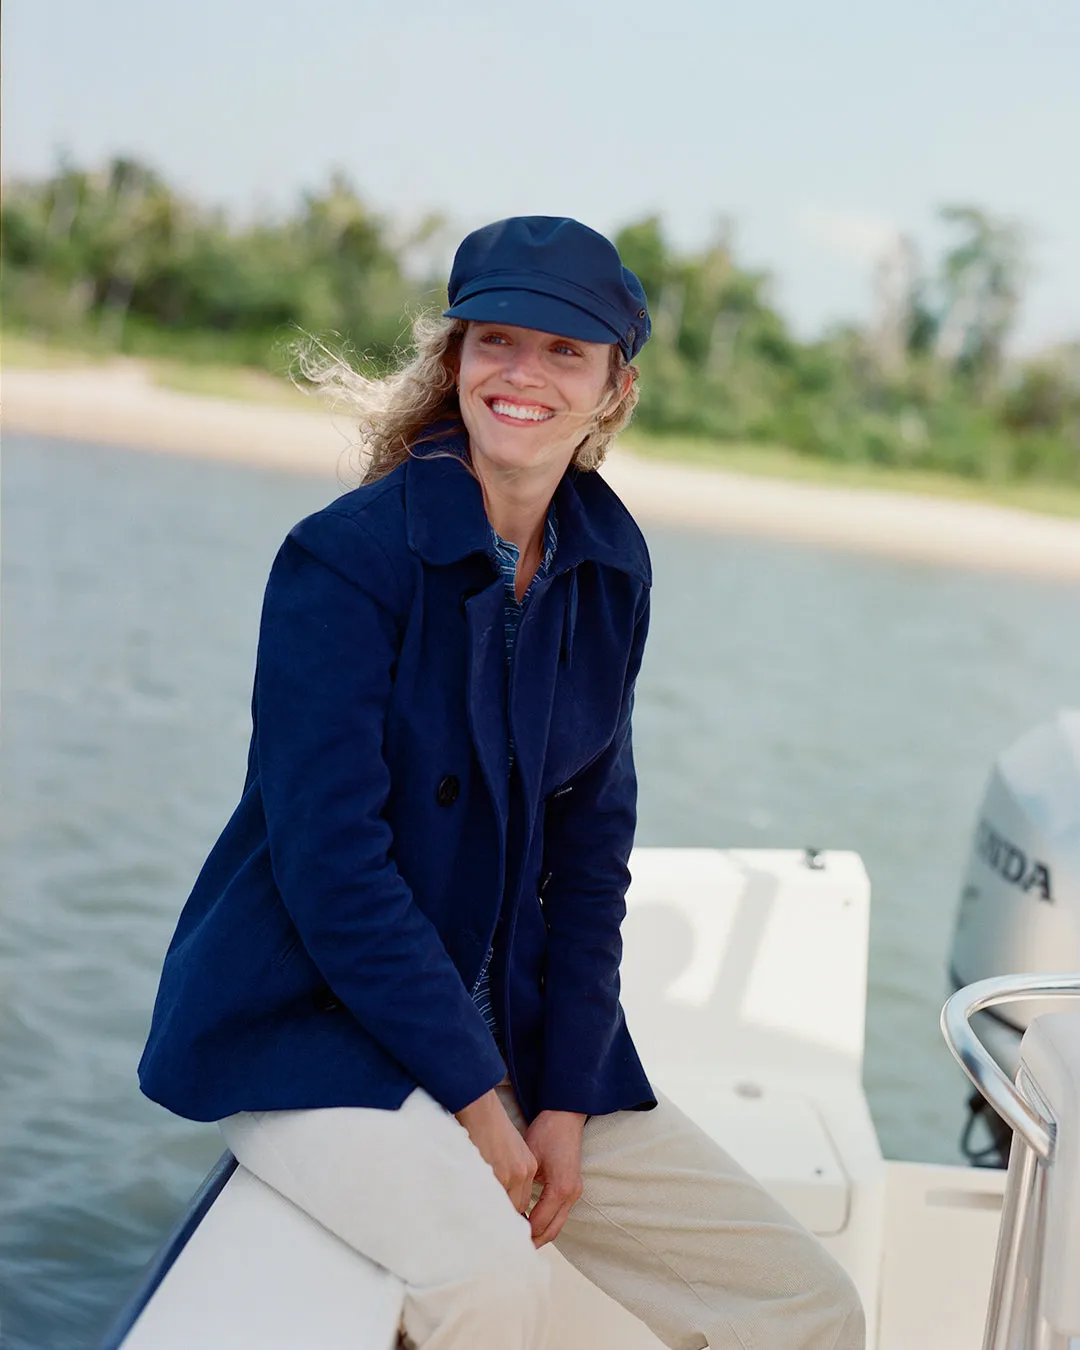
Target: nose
(523,368)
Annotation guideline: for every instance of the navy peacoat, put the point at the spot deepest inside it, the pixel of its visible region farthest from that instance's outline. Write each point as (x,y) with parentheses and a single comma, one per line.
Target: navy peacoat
(328,951)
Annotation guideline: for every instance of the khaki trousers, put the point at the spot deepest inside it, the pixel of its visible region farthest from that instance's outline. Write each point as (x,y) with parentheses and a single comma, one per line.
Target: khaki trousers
(668,1225)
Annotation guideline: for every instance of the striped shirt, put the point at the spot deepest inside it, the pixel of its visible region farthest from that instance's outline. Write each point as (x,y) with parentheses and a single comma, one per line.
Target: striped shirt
(505,556)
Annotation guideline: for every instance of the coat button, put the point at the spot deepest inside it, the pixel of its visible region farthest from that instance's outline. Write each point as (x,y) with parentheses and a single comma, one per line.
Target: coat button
(326,1000)
(448,791)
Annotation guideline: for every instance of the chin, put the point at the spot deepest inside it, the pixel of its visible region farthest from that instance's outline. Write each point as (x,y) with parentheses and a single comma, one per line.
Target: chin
(517,451)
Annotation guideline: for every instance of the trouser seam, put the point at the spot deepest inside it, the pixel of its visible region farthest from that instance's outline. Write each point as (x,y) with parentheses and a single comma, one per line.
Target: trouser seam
(665,1263)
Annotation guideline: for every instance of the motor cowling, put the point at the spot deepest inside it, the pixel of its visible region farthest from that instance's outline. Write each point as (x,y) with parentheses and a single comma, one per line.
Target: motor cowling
(1019,906)
(1020,899)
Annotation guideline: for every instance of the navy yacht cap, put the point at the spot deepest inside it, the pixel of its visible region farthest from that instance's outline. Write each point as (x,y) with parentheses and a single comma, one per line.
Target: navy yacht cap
(550,273)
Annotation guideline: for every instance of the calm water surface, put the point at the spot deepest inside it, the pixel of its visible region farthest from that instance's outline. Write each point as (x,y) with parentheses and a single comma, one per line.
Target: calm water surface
(790,696)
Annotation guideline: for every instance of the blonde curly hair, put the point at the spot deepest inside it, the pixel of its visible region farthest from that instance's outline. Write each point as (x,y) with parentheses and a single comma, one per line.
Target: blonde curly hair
(395,411)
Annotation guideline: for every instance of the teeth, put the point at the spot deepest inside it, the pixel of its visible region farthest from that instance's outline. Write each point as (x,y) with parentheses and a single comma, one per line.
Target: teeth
(521,414)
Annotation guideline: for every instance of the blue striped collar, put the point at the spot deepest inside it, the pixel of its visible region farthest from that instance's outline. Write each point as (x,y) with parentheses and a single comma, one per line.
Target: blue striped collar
(506,555)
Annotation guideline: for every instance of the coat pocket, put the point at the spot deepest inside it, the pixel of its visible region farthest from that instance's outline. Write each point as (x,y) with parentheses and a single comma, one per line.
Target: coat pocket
(289,950)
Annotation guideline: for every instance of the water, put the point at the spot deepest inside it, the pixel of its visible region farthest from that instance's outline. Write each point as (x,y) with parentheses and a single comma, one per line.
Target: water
(790,696)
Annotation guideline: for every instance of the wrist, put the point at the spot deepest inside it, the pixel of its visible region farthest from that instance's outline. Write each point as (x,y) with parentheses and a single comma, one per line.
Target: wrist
(566,1117)
(483,1108)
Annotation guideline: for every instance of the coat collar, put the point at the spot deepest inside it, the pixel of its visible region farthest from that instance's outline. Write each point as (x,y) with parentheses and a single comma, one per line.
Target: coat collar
(446,521)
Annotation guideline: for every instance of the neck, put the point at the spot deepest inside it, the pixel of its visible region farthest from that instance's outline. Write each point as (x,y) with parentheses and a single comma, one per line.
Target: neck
(517,506)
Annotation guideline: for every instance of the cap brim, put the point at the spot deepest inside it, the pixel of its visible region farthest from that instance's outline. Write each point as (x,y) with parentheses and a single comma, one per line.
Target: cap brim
(530,309)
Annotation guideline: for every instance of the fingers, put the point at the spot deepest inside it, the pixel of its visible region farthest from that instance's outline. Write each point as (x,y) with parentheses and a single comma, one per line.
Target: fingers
(555,1138)
(501,1146)
(520,1196)
(552,1210)
(517,1177)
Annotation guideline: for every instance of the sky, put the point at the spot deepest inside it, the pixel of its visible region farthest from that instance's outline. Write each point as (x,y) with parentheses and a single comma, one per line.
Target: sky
(822,130)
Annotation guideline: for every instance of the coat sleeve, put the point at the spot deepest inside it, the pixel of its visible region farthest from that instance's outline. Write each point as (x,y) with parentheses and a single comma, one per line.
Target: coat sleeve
(588,838)
(328,645)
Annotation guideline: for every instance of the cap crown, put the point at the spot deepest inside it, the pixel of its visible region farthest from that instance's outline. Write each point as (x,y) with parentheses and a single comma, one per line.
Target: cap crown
(557,258)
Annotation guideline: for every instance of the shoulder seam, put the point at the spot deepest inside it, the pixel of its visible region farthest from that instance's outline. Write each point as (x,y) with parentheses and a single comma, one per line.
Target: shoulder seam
(353,519)
(368,534)
(377,492)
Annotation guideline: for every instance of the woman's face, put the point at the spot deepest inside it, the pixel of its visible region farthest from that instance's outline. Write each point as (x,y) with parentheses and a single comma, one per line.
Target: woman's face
(528,398)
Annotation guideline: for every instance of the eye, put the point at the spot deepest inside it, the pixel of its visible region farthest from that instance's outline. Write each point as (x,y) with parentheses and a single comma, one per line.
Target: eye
(565,349)
(494,339)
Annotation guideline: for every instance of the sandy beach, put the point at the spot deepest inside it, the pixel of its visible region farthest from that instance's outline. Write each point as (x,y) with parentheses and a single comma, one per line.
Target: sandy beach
(119,405)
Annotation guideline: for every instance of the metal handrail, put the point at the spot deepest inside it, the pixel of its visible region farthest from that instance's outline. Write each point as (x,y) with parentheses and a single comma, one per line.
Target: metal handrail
(978,1064)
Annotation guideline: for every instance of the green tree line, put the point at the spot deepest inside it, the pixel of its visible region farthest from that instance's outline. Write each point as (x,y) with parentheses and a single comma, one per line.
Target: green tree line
(117,260)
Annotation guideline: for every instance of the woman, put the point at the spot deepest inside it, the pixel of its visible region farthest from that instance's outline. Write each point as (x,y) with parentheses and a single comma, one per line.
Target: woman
(395,983)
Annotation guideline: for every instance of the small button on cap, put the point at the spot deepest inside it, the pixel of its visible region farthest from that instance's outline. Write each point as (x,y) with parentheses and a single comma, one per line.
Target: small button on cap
(448,791)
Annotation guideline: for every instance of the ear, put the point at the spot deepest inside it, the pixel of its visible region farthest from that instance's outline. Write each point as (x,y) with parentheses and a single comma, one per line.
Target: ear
(625,381)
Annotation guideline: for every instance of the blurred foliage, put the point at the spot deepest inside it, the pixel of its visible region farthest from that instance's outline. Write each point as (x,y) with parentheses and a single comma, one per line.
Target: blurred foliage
(117,260)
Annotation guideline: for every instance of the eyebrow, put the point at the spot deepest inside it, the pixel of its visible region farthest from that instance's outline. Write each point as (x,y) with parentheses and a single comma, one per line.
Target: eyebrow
(485,327)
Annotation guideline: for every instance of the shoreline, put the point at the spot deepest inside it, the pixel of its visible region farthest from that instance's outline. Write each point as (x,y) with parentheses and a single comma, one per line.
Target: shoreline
(118,405)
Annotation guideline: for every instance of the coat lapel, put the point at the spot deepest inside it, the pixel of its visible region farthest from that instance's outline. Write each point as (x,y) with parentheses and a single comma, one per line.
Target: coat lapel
(532,683)
(486,693)
(446,523)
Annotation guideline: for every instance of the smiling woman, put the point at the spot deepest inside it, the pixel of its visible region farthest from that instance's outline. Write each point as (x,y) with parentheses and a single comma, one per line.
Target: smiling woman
(555,388)
(397,413)
(396,981)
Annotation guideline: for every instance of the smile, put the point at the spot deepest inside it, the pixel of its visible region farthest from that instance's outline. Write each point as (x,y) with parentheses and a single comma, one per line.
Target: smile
(520,412)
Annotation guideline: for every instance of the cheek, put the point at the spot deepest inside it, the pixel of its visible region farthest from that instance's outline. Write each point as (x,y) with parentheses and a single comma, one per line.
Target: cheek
(465,377)
(471,375)
(590,390)
(475,368)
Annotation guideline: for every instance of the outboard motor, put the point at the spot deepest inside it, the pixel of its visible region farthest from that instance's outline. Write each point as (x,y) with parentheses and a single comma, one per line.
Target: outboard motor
(1020,901)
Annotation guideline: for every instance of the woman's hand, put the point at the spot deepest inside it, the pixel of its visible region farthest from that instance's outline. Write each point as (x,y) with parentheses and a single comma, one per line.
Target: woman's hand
(501,1147)
(554,1139)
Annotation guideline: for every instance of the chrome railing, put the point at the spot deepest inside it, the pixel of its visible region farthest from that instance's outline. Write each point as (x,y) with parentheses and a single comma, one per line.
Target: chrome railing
(1013,1321)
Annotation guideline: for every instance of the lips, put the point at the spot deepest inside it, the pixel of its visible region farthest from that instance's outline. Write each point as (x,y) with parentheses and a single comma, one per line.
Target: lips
(519,412)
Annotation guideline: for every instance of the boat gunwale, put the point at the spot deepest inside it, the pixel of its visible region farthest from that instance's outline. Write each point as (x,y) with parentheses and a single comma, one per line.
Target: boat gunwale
(166,1256)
